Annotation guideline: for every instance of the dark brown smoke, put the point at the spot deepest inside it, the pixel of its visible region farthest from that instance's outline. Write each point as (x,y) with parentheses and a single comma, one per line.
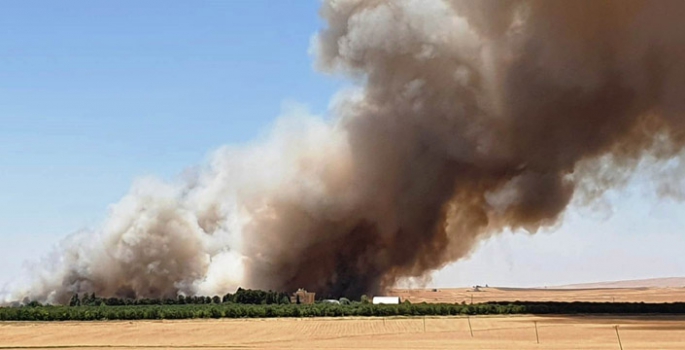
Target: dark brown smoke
(475,117)
(469,118)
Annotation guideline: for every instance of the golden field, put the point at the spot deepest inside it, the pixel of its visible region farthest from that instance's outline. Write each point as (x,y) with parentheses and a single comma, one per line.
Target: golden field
(458,295)
(514,332)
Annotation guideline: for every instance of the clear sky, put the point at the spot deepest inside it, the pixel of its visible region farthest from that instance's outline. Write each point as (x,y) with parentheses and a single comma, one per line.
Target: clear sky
(96,93)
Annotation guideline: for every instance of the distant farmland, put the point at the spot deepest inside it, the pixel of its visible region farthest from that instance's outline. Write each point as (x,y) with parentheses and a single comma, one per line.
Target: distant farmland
(466,295)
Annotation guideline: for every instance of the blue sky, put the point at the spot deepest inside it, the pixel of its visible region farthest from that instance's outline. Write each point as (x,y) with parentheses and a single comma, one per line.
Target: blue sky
(96,93)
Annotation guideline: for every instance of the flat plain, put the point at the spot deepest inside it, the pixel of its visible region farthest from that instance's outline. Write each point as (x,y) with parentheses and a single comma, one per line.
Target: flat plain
(466,295)
(489,332)
(514,332)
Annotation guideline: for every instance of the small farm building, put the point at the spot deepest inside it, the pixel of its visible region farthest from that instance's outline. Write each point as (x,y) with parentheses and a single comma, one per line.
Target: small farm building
(386,300)
(302,297)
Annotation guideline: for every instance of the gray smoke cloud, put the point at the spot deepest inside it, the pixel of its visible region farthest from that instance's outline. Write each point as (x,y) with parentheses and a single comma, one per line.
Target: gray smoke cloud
(469,118)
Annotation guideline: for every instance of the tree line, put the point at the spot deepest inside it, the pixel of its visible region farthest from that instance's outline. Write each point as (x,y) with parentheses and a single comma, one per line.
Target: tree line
(236,310)
(232,310)
(553,307)
(241,296)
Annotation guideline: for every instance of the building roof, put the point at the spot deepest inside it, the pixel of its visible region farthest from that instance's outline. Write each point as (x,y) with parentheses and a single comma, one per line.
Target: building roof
(386,300)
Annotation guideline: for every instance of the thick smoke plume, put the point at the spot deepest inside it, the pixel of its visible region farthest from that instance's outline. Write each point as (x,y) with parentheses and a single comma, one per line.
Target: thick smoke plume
(470,118)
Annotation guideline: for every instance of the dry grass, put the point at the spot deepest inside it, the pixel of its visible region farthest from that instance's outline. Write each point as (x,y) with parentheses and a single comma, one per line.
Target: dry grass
(516,332)
(458,295)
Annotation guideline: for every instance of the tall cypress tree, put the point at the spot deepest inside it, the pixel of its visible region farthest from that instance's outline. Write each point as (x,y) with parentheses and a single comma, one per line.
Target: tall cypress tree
(75,301)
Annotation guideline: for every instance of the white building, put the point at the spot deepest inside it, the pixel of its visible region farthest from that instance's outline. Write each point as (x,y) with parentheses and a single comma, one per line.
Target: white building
(386,300)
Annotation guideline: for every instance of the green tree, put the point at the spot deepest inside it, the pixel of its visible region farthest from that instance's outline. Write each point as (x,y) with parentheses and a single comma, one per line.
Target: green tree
(34,304)
(227,298)
(75,301)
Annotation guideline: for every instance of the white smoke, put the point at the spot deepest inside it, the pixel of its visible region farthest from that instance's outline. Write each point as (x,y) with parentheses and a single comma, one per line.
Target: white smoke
(165,239)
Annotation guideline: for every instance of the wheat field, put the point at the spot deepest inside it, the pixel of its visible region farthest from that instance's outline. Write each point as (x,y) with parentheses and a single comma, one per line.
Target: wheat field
(513,332)
(467,295)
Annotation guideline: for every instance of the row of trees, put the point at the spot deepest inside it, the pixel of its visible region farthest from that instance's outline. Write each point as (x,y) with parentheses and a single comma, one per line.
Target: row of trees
(233,310)
(595,308)
(241,296)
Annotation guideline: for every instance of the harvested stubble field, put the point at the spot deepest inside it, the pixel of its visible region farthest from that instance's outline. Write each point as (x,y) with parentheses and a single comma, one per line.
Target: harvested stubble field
(466,295)
(348,333)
